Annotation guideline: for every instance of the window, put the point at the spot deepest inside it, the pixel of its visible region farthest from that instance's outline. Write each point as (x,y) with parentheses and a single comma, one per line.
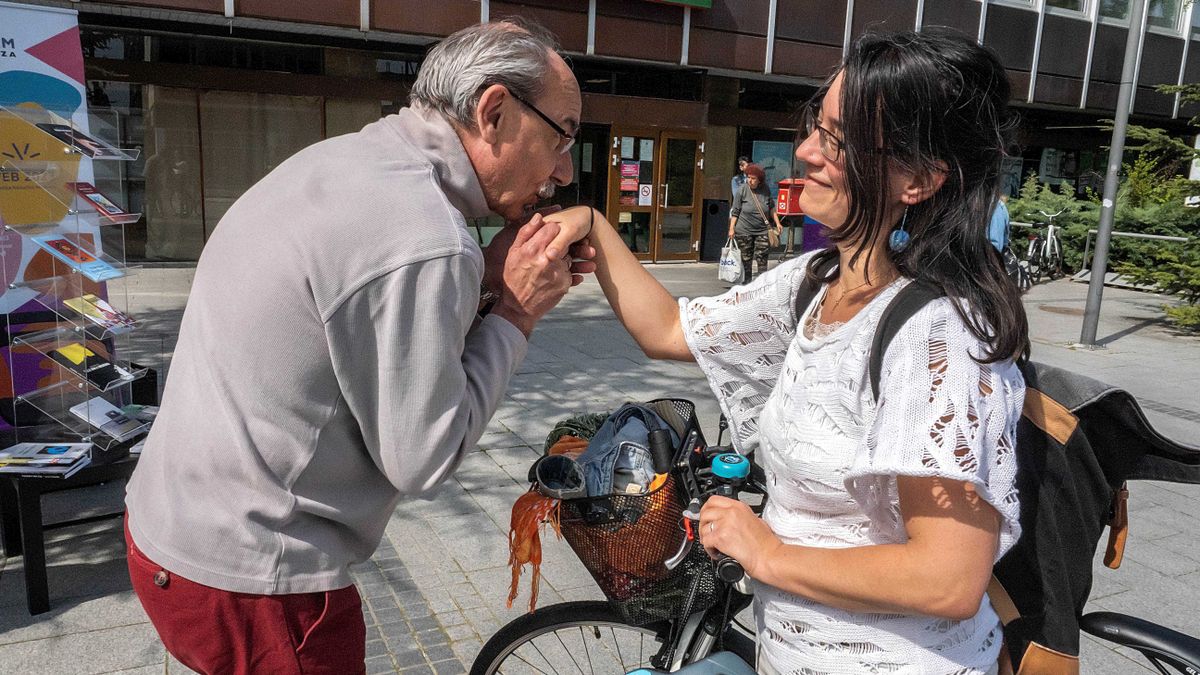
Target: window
(1164,14)
(1159,14)
(1114,9)
(1070,5)
(107,43)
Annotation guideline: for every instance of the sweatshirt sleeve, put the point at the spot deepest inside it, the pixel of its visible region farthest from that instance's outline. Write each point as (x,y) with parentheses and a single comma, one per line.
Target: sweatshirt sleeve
(735,207)
(421,383)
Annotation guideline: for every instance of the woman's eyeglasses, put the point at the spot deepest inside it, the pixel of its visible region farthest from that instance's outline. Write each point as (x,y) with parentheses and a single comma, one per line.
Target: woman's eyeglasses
(829,142)
(567,140)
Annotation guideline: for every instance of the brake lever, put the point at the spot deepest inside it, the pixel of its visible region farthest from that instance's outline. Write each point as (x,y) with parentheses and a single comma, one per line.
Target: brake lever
(691,515)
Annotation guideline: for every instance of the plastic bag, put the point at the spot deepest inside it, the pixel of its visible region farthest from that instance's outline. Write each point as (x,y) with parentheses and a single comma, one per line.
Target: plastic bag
(730,267)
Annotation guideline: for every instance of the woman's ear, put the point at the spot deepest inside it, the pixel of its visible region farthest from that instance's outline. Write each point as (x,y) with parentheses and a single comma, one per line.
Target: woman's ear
(922,186)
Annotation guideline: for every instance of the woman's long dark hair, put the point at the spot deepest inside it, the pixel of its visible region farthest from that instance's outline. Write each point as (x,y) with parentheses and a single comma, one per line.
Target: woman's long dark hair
(938,102)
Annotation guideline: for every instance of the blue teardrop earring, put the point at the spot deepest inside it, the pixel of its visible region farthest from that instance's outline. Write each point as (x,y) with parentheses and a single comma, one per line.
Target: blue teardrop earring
(899,239)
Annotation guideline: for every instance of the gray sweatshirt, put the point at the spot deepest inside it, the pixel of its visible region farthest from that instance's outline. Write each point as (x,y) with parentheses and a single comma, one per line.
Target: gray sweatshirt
(326,364)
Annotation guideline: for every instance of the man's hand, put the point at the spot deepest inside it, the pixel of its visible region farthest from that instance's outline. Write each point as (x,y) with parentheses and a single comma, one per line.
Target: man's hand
(532,282)
(497,251)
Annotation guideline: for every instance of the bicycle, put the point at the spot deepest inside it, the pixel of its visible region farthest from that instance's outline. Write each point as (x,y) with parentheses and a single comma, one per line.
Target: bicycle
(1044,255)
(1017,269)
(600,637)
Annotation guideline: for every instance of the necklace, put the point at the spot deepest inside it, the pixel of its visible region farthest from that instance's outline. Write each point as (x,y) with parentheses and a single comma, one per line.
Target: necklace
(848,291)
(815,326)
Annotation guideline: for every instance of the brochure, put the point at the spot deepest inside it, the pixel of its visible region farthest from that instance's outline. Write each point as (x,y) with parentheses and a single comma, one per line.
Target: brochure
(101,313)
(44,453)
(86,145)
(94,368)
(103,205)
(78,259)
(145,413)
(45,459)
(106,417)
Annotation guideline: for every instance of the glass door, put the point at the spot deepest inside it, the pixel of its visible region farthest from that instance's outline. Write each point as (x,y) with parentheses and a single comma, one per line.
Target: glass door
(631,202)
(654,191)
(681,166)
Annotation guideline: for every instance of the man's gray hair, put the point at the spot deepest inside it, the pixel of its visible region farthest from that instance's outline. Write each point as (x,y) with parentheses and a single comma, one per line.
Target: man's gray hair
(512,52)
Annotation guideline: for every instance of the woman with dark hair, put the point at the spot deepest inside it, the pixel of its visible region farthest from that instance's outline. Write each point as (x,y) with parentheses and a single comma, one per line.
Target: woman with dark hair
(749,221)
(885,517)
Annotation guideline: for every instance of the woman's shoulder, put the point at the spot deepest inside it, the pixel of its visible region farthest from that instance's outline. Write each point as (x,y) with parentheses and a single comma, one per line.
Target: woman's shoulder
(949,329)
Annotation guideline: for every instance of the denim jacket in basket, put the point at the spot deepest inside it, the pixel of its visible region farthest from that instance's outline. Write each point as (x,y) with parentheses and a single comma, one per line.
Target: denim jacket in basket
(619,454)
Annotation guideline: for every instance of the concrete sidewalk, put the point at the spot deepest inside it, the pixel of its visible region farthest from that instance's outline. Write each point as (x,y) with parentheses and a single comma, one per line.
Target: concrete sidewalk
(435,589)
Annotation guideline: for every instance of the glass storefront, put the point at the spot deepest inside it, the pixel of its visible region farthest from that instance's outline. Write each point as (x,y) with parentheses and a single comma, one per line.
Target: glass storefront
(201,150)
(203,147)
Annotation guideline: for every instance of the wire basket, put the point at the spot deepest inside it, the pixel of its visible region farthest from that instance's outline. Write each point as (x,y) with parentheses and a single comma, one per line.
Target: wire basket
(623,541)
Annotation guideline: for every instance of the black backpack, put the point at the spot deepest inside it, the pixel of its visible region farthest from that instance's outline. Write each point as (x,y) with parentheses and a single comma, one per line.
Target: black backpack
(1078,442)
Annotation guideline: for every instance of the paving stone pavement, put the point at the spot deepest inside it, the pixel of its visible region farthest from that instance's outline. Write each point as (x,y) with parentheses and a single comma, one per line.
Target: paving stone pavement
(435,588)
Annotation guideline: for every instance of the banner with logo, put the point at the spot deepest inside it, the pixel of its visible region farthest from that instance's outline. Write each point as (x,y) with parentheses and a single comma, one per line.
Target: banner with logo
(42,100)
(42,88)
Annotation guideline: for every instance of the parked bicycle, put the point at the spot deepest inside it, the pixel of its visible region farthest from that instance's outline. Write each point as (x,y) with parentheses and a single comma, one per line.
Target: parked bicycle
(1017,268)
(1044,255)
(685,619)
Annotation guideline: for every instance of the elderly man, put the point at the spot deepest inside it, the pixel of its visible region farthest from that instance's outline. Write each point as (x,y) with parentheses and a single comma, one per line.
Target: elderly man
(331,358)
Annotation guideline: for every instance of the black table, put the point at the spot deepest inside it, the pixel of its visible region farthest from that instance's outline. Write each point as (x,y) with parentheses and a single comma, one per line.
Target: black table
(21,527)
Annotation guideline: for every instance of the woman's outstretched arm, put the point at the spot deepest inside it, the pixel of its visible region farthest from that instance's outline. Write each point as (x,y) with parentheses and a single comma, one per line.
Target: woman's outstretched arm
(641,303)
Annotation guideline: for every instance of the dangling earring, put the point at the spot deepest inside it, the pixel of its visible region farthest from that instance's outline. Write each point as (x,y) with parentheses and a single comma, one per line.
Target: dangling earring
(899,239)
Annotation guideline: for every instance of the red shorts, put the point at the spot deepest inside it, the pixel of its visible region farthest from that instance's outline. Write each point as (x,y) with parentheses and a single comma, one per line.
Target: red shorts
(214,631)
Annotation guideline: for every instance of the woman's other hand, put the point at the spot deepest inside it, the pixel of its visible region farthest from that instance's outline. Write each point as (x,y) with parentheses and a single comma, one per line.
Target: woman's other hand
(729,526)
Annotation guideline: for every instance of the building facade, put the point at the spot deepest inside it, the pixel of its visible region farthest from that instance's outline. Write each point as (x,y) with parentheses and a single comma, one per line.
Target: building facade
(216,93)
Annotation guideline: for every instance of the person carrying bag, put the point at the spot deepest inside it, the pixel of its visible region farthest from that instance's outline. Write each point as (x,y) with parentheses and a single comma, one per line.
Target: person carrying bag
(750,225)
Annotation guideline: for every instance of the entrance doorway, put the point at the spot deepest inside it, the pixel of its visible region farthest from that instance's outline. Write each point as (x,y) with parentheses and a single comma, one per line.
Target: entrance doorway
(654,191)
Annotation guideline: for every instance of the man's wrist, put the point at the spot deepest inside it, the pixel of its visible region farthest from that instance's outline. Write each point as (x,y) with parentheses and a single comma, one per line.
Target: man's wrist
(521,320)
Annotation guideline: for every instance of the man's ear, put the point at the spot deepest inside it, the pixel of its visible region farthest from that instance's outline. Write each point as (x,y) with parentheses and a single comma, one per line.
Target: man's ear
(922,186)
(489,112)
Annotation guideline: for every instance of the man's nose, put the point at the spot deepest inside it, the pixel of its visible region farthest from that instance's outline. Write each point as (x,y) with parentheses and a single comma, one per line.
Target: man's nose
(564,171)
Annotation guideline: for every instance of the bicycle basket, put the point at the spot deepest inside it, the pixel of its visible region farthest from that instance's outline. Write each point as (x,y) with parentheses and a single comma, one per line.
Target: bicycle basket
(623,541)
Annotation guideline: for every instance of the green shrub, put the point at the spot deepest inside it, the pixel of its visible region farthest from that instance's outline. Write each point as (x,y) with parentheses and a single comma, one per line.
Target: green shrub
(1174,269)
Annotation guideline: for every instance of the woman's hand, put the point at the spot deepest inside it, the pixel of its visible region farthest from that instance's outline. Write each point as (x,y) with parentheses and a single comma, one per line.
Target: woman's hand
(575,224)
(729,526)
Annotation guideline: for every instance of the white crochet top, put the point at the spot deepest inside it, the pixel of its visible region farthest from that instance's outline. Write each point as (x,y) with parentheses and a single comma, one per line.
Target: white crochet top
(832,455)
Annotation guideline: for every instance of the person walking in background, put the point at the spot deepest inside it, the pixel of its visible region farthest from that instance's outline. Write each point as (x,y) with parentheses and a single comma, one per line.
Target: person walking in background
(748,223)
(998,227)
(739,178)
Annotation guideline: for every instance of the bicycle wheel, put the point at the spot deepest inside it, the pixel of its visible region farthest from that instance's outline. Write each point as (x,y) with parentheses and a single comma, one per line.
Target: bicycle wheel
(571,637)
(1036,258)
(1054,260)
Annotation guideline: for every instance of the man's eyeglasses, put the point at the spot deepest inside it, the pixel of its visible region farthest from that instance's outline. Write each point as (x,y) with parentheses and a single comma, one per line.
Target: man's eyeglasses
(568,140)
(829,142)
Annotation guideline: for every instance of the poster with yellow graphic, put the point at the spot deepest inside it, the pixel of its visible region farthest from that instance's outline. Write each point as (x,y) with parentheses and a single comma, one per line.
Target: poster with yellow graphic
(45,142)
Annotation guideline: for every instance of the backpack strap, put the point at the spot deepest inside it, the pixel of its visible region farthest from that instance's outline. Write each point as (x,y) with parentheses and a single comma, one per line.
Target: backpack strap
(907,303)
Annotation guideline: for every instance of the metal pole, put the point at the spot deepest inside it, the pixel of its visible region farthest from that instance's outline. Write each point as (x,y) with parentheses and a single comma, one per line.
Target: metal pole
(1091,312)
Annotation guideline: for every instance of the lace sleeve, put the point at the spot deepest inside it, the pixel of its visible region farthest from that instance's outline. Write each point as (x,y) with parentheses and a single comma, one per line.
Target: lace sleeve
(941,413)
(739,340)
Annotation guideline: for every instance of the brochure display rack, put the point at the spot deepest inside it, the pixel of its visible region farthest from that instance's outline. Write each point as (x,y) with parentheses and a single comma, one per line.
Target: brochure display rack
(64,257)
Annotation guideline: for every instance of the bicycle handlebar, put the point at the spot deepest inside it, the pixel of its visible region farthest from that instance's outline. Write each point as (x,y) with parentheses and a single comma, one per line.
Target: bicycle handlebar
(701,482)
